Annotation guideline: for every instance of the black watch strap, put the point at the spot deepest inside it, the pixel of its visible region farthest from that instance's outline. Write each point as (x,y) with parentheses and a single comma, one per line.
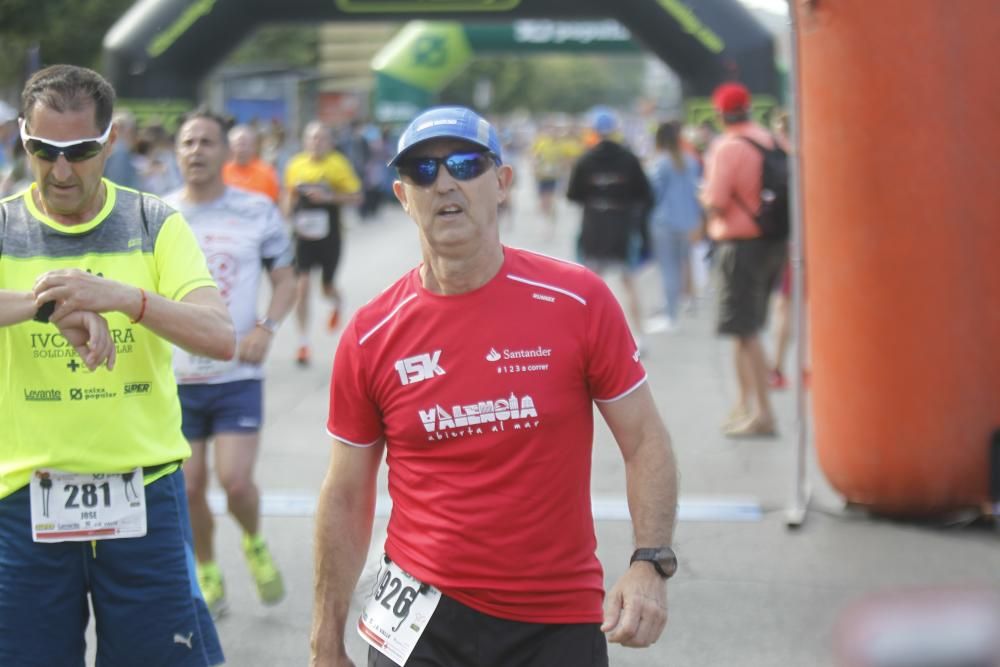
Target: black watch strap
(44,312)
(663,560)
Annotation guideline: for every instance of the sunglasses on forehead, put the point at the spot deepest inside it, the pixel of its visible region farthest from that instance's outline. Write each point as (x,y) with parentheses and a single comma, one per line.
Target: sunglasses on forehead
(73,151)
(463,166)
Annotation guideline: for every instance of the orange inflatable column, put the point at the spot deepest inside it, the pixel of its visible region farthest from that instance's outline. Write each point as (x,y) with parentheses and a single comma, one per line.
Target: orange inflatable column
(900,132)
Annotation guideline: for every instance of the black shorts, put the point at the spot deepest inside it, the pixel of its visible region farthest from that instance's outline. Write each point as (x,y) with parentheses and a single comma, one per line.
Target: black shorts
(746,272)
(459,636)
(324,253)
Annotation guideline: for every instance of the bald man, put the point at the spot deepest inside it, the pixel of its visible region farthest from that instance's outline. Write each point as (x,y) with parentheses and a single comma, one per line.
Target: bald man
(245,170)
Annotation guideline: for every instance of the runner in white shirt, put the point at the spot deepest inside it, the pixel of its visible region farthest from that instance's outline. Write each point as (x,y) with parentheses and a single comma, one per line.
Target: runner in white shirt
(242,235)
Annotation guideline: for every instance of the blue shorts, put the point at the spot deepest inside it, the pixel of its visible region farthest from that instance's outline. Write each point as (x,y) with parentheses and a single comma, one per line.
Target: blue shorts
(230,407)
(547,185)
(147,605)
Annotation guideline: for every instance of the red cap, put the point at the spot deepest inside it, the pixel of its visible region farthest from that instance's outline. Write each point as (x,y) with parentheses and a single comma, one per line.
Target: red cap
(731,97)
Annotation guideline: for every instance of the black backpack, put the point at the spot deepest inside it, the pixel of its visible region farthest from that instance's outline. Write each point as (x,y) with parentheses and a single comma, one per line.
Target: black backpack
(774,213)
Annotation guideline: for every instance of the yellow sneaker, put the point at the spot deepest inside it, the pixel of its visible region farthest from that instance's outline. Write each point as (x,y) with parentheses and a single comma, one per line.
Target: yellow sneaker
(213,590)
(269,584)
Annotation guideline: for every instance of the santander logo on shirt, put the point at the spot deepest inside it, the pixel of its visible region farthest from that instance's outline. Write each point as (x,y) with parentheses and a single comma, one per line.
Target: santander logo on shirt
(532,360)
(538,352)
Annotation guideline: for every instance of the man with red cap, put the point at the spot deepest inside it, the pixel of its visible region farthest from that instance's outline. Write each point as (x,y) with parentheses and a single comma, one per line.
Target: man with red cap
(746,264)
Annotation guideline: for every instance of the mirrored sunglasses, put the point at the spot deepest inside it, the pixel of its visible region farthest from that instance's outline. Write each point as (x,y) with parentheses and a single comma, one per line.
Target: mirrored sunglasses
(73,151)
(462,167)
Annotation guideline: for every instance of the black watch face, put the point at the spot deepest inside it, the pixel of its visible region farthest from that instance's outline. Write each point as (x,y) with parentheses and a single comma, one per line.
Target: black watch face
(667,561)
(45,311)
(662,558)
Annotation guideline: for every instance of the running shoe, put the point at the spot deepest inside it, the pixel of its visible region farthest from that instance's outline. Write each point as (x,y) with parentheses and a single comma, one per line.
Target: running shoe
(334,321)
(736,416)
(213,590)
(302,357)
(269,584)
(660,324)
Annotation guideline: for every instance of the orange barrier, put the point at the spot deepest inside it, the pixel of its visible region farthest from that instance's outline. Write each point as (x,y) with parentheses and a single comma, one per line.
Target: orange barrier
(901,171)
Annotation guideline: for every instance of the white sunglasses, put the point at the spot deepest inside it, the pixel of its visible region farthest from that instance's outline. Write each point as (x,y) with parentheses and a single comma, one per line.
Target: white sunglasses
(77,150)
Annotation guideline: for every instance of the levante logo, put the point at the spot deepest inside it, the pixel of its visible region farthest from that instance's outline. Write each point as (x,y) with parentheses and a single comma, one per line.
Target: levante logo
(43,395)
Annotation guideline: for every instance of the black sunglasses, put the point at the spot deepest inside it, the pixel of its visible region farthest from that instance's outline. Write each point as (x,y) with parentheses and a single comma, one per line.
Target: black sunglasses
(73,151)
(462,166)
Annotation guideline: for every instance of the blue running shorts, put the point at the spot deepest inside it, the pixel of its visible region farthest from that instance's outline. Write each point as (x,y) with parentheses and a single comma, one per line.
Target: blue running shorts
(147,606)
(228,407)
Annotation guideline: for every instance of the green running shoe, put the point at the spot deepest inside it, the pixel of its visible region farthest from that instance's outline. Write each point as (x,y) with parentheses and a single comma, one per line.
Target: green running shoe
(269,584)
(212,588)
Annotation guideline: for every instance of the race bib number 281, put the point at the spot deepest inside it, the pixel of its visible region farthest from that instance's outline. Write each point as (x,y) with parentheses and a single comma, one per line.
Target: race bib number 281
(76,507)
(396,612)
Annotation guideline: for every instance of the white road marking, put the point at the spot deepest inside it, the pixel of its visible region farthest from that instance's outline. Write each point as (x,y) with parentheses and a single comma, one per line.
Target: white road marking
(606,507)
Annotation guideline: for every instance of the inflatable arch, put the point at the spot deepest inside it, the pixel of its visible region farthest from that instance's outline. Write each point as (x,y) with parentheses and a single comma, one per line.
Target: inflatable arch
(157,54)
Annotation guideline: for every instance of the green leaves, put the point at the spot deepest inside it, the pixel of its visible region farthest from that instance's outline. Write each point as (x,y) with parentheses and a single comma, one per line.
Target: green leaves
(66,31)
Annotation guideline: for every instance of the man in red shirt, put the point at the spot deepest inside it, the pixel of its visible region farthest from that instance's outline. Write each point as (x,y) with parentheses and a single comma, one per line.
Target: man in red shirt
(477,372)
(747,266)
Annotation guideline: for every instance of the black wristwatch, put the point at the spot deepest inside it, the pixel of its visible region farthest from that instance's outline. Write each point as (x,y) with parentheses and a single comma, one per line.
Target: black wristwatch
(45,311)
(664,560)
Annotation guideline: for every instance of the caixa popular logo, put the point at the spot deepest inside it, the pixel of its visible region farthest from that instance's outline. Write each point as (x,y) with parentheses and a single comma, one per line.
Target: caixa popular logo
(419,367)
(137,388)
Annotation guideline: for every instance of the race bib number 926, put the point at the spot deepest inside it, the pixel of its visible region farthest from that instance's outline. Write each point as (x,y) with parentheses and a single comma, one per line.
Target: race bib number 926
(396,612)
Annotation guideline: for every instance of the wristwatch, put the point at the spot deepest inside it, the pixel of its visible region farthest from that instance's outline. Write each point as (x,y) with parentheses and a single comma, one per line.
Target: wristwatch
(268,325)
(45,311)
(664,559)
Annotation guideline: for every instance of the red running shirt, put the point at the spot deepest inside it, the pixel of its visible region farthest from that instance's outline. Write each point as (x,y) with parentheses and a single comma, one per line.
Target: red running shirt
(485,400)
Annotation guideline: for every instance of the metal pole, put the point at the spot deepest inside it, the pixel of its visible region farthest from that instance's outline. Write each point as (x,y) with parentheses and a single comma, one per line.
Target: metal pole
(796,513)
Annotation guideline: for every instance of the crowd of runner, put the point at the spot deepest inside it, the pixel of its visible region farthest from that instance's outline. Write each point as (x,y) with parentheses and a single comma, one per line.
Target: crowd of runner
(168,250)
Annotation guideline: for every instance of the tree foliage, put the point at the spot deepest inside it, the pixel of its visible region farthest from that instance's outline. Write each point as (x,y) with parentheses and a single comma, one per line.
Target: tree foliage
(550,83)
(72,31)
(65,31)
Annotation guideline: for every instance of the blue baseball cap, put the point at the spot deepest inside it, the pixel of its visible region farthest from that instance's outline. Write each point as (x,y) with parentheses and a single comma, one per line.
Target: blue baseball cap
(603,120)
(448,123)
